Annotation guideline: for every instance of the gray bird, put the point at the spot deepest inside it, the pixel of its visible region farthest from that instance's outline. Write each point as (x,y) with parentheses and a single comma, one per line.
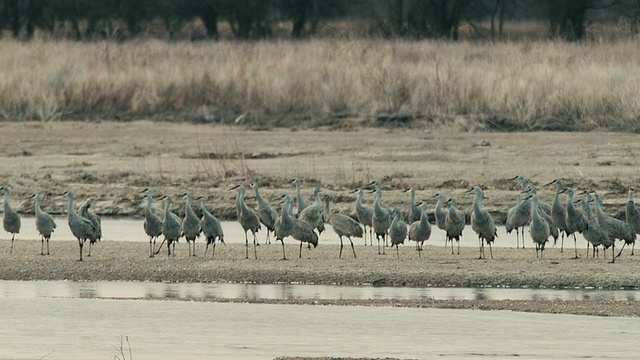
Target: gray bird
(574,219)
(539,228)
(312,214)
(44,223)
(190,224)
(299,199)
(594,234)
(397,232)
(10,219)
(632,216)
(420,231)
(615,229)
(266,213)
(414,210)
(376,186)
(296,228)
(381,220)
(455,223)
(211,228)
(558,212)
(342,225)
(364,215)
(248,219)
(171,227)
(84,211)
(519,216)
(152,222)
(482,222)
(441,216)
(83,229)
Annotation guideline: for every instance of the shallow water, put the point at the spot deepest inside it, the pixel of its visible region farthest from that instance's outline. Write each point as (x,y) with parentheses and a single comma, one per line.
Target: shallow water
(172,291)
(117,229)
(46,328)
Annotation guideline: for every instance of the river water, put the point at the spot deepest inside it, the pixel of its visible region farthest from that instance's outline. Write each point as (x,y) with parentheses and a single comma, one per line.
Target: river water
(66,320)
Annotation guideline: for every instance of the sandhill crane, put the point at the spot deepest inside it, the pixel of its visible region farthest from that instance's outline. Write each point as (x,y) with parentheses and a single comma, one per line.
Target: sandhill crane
(266,213)
(300,202)
(482,222)
(364,215)
(381,220)
(83,229)
(10,219)
(248,219)
(633,216)
(558,212)
(539,228)
(420,231)
(190,224)
(44,223)
(574,219)
(519,216)
(84,211)
(342,225)
(615,229)
(296,228)
(211,228)
(441,216)
(414,210)
(376,186)
(545,214)
(594,234)
(455,223)
(397,232)
(312,214)
(171,227)
(152,222)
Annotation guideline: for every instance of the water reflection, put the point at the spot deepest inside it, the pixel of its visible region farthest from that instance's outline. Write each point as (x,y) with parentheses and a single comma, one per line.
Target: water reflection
(173,291)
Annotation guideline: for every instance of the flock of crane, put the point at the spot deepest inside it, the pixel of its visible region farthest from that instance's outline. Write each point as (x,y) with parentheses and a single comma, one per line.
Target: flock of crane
(544,220)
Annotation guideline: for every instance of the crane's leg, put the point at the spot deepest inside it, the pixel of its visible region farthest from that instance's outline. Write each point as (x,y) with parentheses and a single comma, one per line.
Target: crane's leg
(480,247)
(587,249)
(160,247)
(340,255)
(622,248)
(300,255)
(150,246)
(633,246)
(397,252)
(575,245)
(419,249)
(255,244)
(542,251)
(613,252)
(284,257)
(80,244)
(246,245)
(452,245)
(517,238)
(352,248)
(174,248)
(168,247)
(370,235)
(206,249)
(42,245)
(562,243)
(90,246)
(48,253)
(378,238)
(213,250)
(537,249)
(12,238)
(490,251)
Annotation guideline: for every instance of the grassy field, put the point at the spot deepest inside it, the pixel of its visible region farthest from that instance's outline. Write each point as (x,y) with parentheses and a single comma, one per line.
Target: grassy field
(537,85)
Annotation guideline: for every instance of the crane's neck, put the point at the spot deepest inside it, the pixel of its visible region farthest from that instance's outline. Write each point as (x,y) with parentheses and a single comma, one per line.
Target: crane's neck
(167,209)
(72,209)
(439,203)
(360,196)
(477,202)
(630,199)
(413,197)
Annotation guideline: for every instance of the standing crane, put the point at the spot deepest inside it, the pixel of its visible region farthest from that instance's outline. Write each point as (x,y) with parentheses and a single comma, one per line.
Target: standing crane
(420,231)
(82,228)
(397,231)
(441,216)
(594,234)
(171,227)
(414,210)
(312,214)
(519,216)
(455,223)
(615,229)
(248,219)
(211,228)
(342,225)
(84,211)
(190,224)
(266,213)
(632,216)
(10,219)
(381,220)
(558,212)
(299,199)
(152,222)
(44,223)
(575,220)
(539,229)
(296,228)
(364,215)
(482,222)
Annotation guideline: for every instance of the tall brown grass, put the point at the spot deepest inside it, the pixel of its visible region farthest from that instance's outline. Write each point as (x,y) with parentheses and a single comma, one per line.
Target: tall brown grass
(530,85)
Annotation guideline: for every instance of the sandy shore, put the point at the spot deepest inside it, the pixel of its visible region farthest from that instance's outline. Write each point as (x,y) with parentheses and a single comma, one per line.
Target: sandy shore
(515,268)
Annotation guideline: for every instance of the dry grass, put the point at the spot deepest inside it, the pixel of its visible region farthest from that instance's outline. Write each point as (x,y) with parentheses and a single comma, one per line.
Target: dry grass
(535,85)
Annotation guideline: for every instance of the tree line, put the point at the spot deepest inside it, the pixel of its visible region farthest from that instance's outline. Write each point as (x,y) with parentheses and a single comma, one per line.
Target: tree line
(256,19)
